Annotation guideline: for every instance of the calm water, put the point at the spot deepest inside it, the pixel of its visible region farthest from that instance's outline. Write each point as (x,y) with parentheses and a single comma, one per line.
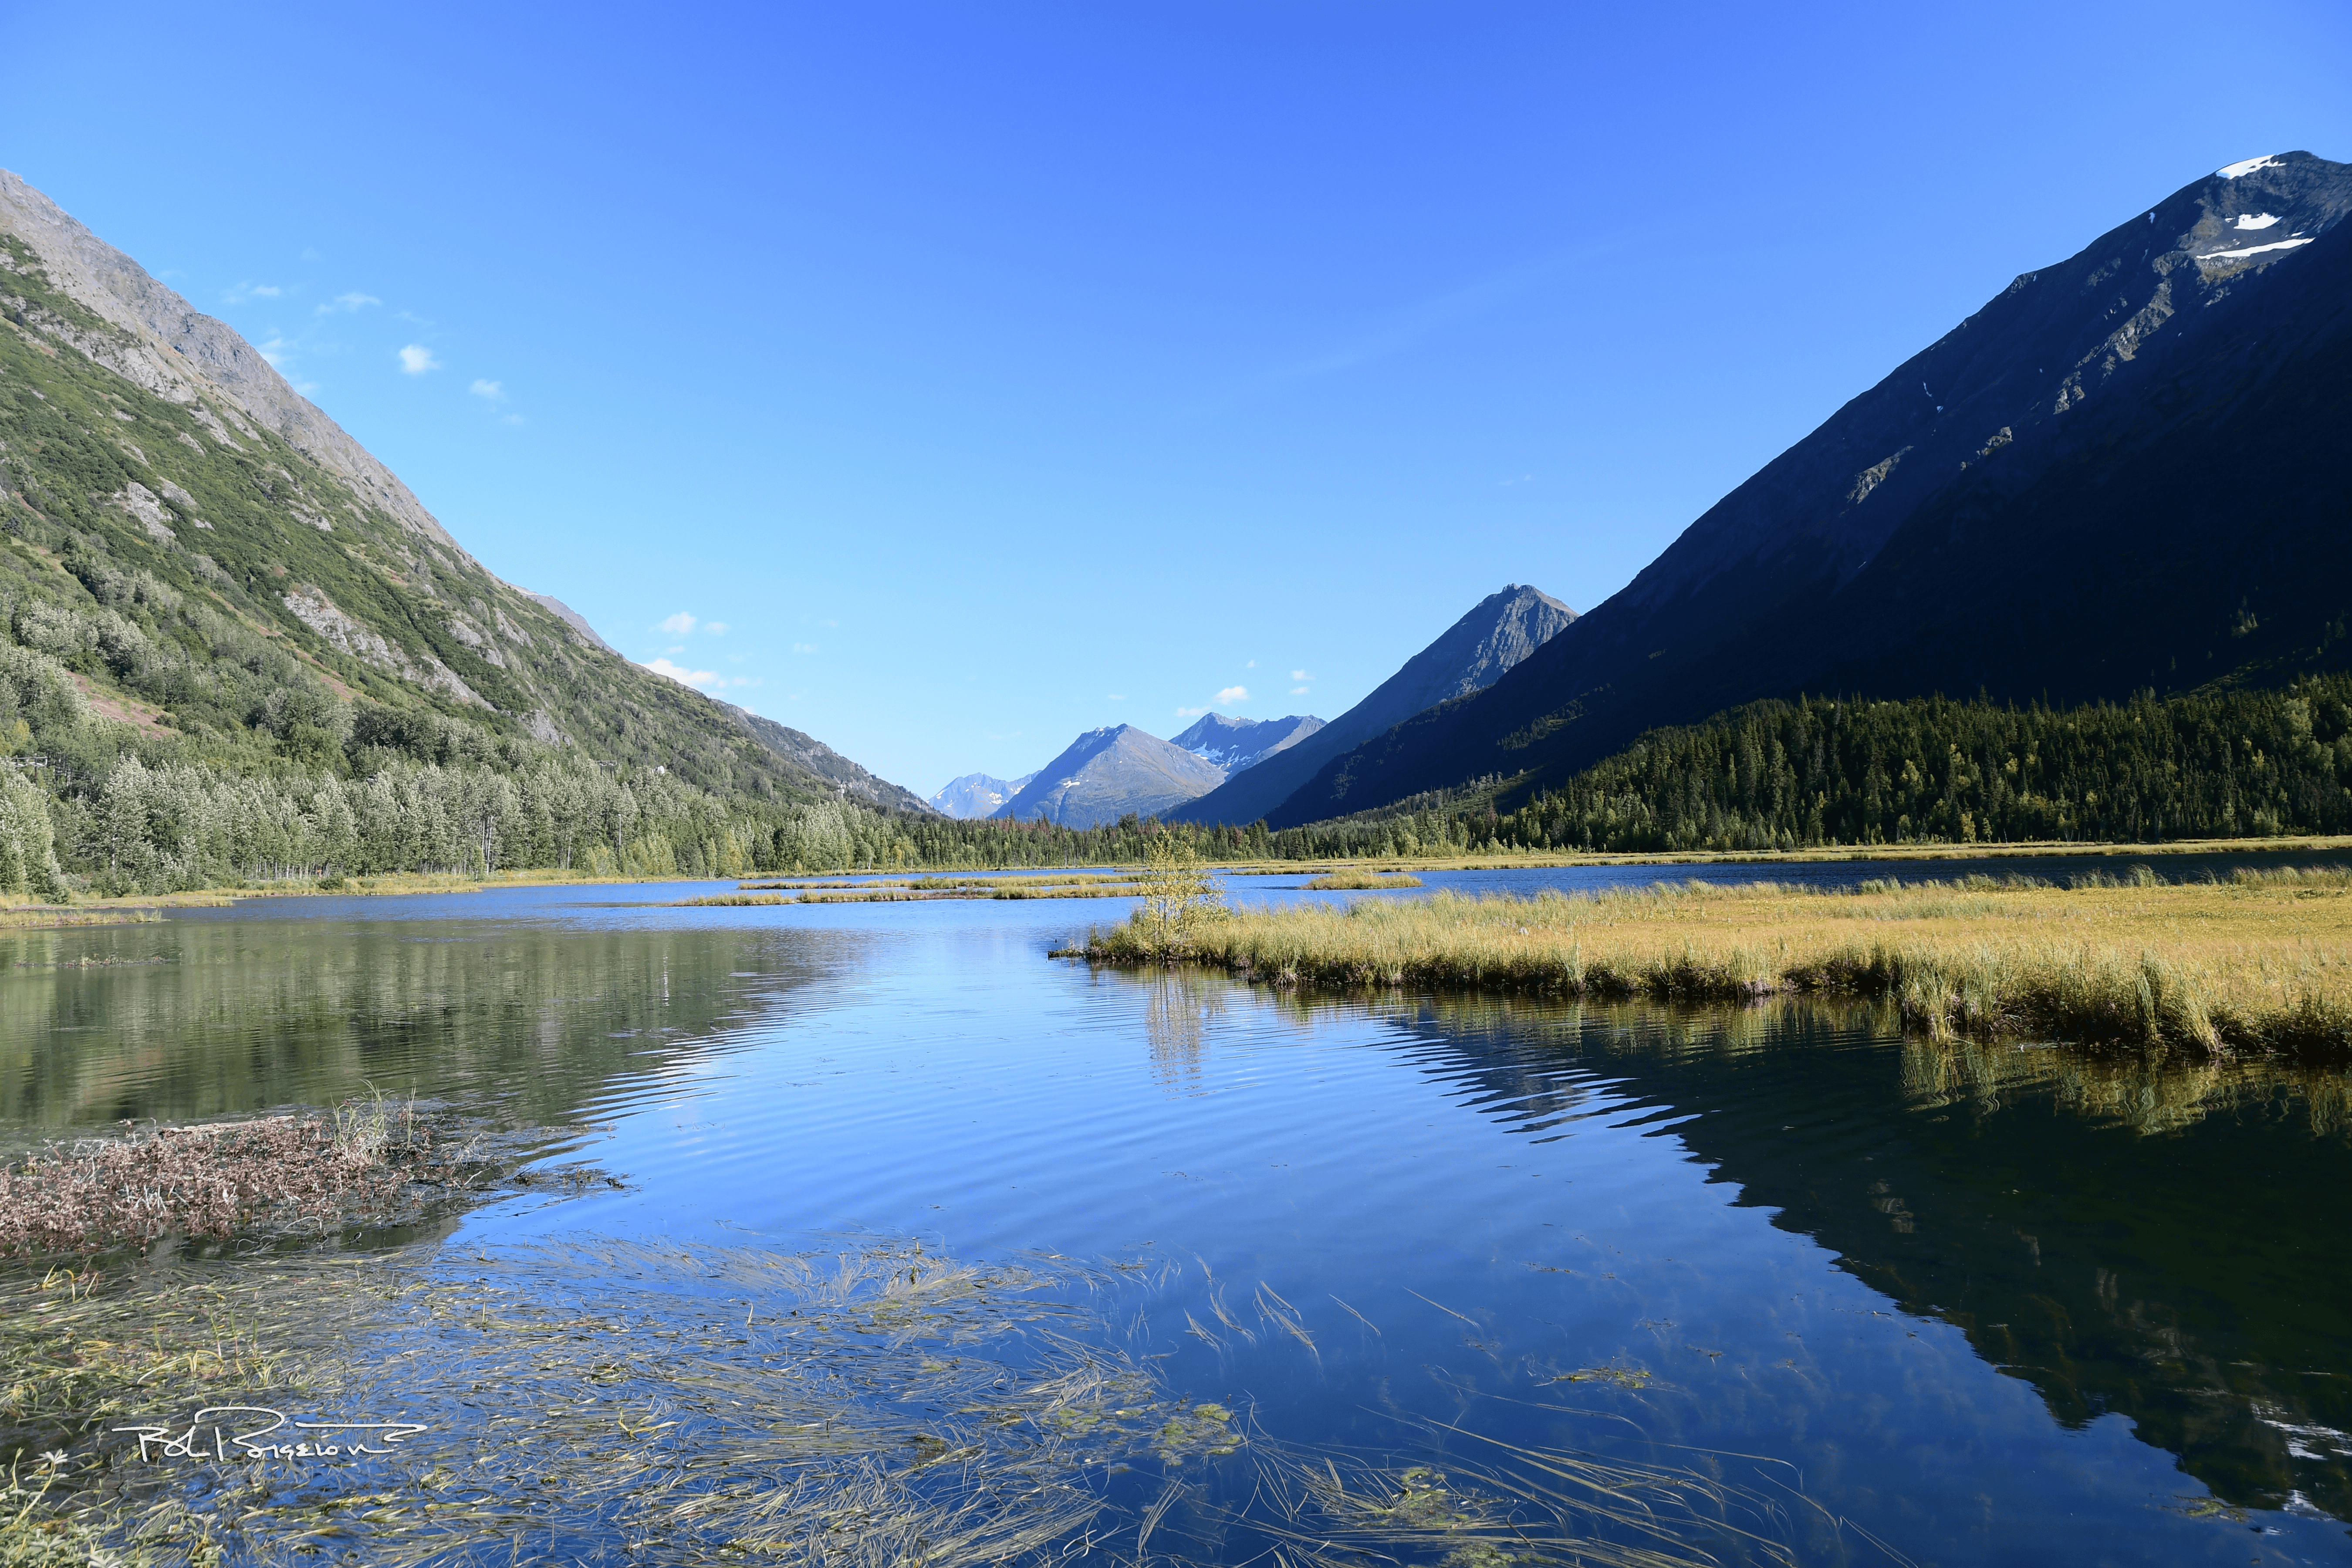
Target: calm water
(1977,1305)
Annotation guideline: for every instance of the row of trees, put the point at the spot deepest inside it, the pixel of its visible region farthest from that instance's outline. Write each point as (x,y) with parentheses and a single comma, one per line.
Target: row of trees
(1779,775)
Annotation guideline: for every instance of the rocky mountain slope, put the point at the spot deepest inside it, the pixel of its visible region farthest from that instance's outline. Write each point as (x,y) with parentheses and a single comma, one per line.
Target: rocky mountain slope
(214,559)
(2123,473)
(1497,634)
(1108,772)
(976,795)
(1233,744)
(846,778)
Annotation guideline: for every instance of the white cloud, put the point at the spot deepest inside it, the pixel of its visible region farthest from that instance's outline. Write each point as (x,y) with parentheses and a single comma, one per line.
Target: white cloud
(1251,665)
(1298,691)
(1190,712)
(351,301)
(1116,697)
(716,628)
(1233,694)
(244,291)
(489,389)
(517,419)
(417,359)
(678,624)
(696,678)
(276,350)
(1300,675)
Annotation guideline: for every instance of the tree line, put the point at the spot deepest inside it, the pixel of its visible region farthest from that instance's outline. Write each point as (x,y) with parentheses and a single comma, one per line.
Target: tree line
(1828,771)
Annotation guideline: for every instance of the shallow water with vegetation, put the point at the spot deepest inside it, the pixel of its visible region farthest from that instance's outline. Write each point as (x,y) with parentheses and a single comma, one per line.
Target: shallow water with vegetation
(928,1246)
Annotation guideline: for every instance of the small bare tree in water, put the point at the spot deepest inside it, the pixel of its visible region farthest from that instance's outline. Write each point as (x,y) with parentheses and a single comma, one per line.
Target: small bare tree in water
(1179,897)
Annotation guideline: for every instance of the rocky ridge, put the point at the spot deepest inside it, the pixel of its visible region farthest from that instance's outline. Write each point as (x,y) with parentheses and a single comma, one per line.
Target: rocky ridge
(1493,637)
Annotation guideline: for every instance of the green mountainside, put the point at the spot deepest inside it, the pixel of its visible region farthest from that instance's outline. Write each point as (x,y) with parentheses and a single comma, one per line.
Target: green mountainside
(200,572)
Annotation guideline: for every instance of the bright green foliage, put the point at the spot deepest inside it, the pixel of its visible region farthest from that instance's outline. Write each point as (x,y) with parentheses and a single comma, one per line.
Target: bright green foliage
(1178,898)
(28,860)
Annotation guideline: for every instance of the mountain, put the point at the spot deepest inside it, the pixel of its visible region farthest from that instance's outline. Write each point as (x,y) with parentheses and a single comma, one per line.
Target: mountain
(2124,473)
(1111,772)
(976,795)
(1233,744)
(219,565)
(569,617)
(847,777)
(1500,632)
(1108,772)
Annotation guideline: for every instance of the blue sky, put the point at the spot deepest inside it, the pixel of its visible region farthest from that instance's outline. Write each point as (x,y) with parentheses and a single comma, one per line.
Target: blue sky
(945,380)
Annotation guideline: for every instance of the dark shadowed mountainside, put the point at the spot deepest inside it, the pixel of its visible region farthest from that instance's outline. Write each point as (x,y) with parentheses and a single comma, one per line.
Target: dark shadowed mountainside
(1500,632)
(2126,472)
(1108,772)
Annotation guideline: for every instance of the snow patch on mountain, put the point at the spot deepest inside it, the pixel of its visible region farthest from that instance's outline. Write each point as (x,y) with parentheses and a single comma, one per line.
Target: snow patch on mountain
(2252,250)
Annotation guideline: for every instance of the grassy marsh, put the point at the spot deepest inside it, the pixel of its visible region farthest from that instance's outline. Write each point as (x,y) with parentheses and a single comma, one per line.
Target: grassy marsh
(917,890)
(1352,881)
(2261,961)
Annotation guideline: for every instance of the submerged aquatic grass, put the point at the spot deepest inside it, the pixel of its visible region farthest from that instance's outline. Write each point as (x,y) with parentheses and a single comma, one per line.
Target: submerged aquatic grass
(2262,962)
(871,1402)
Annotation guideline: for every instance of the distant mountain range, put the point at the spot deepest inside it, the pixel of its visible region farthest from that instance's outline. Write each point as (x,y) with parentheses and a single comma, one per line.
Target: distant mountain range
(1499,633)
(1224,764)
(1108,772)
(1235,743)
(976,795)
(2126,472)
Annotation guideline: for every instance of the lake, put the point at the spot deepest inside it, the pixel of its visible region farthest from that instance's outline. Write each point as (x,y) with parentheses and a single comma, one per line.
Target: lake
(1526,1281)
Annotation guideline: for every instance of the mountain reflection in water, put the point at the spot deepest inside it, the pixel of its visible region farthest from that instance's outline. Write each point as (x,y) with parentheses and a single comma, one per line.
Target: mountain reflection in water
(2161,1239)
(196,1019)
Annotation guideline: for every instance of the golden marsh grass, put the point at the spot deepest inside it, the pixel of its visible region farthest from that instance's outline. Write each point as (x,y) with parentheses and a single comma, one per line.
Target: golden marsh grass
(1352,881)
(2262,961)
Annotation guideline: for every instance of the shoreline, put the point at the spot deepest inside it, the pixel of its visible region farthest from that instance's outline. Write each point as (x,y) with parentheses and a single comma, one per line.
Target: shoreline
(136,908)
